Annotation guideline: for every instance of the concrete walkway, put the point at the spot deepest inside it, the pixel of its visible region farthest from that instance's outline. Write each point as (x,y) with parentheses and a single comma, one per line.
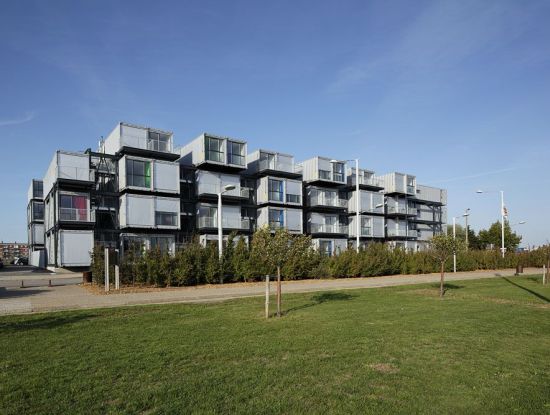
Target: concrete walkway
(15,300)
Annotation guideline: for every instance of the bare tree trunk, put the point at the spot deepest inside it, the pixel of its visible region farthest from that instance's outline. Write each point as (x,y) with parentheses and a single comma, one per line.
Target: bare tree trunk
(278,291)
(442,282)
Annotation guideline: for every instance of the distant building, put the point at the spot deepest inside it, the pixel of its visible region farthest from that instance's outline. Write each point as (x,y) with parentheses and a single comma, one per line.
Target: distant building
(11,250)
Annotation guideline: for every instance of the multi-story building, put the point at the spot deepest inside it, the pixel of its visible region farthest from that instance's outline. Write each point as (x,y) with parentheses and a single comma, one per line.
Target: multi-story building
(138,191)
(325,207)
(278,190)
(12,250)
(213,166)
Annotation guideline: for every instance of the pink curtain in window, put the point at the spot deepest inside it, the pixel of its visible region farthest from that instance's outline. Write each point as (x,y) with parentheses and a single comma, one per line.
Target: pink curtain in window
(79,202)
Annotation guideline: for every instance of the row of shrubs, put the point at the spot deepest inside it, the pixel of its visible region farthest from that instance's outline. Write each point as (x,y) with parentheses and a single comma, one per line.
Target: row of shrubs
(196,264)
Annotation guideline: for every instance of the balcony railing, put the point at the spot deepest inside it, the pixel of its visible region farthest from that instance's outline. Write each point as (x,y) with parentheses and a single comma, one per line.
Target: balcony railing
(227,222)
(331,202)
(147,143)
(328,228)
(75,173)
(412,233)
(275,165)
(411,190)
(73,214)
(397,209)
(364,231)
(214,189)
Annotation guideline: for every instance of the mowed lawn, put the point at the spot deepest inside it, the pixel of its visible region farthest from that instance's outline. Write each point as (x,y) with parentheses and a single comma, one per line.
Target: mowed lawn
(485,348)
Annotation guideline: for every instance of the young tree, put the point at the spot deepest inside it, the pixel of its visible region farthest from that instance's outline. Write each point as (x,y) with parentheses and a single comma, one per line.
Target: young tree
(272,250)
(442,248)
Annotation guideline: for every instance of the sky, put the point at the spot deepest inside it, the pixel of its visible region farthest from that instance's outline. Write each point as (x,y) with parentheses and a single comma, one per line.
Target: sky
(454,92)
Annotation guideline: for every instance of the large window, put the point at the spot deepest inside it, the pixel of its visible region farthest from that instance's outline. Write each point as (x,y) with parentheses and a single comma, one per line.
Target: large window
(324,174)
(338,172)
(37,211)
(325,247)
(38,189)
(158,142)
(275,190)
(276,218)
(166,218)
(267,161)
(293,198)
(235,153)
(213,149)
(162,243)
(138,173)
(207,217)
(73,208)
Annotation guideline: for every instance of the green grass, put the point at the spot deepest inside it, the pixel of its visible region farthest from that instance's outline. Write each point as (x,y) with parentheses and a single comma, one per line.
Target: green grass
(484,348)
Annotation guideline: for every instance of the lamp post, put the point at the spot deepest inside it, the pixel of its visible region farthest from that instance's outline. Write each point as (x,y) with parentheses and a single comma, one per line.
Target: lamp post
(226,188)
(357,203)
(502,249)
(465,215)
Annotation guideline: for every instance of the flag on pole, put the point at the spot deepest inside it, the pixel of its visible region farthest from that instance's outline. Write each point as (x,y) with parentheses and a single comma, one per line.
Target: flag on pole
(505,212)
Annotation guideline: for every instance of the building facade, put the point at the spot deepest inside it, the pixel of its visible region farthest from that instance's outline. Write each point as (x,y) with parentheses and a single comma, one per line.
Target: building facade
(138,191)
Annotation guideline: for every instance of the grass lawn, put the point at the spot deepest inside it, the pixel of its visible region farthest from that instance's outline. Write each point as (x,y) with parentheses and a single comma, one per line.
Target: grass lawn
(485,348)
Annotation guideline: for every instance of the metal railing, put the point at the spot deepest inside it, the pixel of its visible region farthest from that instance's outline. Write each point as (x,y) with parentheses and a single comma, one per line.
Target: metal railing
(75,173)
(147,143)
(412,233)
(327,228)
(73,214)
(397,209)
(323,201)
(275,165)
(227,222)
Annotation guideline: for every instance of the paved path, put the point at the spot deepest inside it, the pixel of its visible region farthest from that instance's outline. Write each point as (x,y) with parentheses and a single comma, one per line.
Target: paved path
(15,300)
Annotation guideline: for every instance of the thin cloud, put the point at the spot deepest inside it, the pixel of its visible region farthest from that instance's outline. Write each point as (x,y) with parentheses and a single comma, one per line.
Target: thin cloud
(16,121)
(477,175)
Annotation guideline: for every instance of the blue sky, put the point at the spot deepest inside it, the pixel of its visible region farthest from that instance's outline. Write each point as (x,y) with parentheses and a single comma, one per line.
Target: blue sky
(456,92)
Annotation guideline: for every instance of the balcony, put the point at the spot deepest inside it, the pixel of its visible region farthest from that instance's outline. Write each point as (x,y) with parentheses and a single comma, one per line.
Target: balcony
(402,210)
(275,165)
(330,202)
(73,215)
(411,233)
(227,223)
(75,173)
(365,231)
(328,228)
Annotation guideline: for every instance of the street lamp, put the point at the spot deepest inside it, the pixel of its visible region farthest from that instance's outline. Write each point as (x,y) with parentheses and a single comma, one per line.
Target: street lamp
(502,249)
(465,215)
(357,203)
(226,188)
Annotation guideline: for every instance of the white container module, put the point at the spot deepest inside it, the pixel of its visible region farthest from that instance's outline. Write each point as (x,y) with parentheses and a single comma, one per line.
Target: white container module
(75,248)
(148,174)
(67,166)
(141,211)
(211,183)
(216,150)
(135,136)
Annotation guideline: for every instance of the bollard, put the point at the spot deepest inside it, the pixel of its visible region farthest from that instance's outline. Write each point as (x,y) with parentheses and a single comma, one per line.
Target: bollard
(22,285)
(544,275)
(49,283)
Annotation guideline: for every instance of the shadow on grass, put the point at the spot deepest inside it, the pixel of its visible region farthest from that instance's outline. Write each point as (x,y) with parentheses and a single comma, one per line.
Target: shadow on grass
(448,287)
(536,294)
(46,322)
(320,299)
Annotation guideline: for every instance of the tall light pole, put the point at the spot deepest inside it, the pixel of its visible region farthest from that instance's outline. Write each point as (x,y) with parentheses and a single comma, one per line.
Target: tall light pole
(357,203)
(502,249)
(226,188)
(465,215)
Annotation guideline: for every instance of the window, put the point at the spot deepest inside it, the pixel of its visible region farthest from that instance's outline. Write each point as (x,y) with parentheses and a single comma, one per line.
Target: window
(38,189)
(331,223)
(276,218)
(158,142)
(235,153)
(138,173)
(293,198)
(338,172)
(208,217)
(166,218)
(324,174)
(162,243)
(37,211)
(213,149)
(275,190)
(325,247)
(73,208)
(267,161)
(366,226)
